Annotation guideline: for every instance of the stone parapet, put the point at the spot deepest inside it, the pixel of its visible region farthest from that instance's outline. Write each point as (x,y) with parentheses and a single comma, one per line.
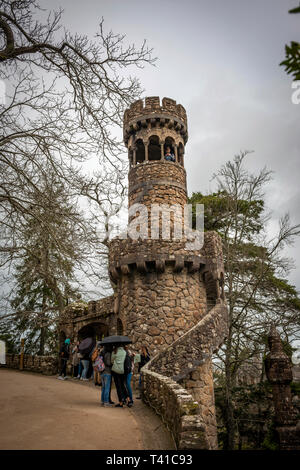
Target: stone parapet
(126,256)
(188,361)
(47,365)
(194,347)
(177,409)
(152,112)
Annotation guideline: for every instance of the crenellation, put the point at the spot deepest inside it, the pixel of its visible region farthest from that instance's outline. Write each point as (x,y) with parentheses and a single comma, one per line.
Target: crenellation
(168,295)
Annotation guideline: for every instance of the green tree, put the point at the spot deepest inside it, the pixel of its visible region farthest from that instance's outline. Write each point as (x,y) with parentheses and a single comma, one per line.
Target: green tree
(256,287)
(292,55)
(45,278)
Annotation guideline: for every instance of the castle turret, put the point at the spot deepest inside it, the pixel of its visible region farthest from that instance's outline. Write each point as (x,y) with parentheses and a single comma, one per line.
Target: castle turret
(169,293)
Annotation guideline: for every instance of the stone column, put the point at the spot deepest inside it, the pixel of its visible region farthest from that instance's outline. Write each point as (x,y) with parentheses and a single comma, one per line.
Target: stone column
(182,159)
(162,151)
(146,151)
(201,385)
(134,157)
(176,153)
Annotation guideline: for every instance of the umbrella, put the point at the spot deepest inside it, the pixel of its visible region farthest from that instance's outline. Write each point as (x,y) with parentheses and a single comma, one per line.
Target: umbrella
(116,340)
(86,346)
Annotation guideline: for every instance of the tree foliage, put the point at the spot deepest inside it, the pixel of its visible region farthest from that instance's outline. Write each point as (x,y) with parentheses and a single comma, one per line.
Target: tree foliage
(64,103)
(256,286)
(292,55)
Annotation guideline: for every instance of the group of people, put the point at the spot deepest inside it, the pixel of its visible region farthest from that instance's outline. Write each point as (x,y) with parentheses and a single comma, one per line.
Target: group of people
(110,362)
(81,362)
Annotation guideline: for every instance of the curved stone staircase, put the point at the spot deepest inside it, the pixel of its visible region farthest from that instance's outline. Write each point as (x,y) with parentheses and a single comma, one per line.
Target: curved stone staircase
(164,376)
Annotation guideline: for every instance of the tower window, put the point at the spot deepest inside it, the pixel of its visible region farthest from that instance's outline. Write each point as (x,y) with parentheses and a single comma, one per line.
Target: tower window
(140,151)
(169,149)
(154,151)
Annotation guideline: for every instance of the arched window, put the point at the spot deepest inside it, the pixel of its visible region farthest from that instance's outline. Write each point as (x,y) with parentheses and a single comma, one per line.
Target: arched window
(169,142)
(140,151)
(154,150)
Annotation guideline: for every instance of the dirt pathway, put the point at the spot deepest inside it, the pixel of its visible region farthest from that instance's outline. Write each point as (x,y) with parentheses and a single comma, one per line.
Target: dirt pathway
(40,412)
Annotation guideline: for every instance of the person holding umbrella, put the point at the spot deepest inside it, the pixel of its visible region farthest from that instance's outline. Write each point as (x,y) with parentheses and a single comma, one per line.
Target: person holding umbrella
(106,376)
(85,348)
(117,358)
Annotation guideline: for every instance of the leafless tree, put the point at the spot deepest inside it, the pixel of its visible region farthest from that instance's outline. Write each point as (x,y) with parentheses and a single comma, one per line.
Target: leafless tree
(64,103)
(256,269)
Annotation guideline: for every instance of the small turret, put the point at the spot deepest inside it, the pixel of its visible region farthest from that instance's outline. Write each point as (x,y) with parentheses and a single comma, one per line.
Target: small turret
(151,127)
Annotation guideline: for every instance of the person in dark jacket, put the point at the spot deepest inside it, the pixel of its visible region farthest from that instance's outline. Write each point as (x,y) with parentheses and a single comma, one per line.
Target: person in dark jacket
(86,360)
(106,377)
(145,357)
(64,356)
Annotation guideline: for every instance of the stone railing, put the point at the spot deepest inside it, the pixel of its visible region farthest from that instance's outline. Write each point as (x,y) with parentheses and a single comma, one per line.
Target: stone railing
(177,409)
(194,347)
(47,365)
(186,418)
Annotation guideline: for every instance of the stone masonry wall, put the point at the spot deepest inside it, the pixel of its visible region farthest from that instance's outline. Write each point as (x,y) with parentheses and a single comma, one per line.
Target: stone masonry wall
(152,105)
(47,365)
(159,182)
(187,361)
(157,308)
(177,409)
(200,384)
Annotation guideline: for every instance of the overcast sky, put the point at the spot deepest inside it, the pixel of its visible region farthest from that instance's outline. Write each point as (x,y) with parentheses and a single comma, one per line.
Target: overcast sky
(219,59)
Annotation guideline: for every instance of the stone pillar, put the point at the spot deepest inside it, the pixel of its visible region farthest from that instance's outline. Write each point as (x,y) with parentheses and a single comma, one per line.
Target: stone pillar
(279,373)
(176,153)
(134,157)
(182,159)
(146,151)
(200,384)
(162,156)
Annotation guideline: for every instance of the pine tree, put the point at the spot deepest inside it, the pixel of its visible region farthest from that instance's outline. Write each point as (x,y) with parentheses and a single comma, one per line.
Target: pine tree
(45,276)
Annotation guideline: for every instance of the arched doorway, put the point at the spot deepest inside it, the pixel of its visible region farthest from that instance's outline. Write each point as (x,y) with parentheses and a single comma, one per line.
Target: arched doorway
(96,330)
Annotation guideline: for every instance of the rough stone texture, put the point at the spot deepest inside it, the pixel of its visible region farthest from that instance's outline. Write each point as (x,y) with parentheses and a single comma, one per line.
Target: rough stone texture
(279,373)
(160,182)
(184,355)
(186,362)
(100,312)
(168,293)
(157,308)
(152,114)
(177,408)
(44,364)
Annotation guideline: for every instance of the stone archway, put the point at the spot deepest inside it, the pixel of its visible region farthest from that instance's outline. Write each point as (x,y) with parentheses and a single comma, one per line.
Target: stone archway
(96,330)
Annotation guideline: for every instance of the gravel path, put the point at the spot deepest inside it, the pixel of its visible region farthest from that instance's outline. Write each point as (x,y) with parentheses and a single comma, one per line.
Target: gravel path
(41,412)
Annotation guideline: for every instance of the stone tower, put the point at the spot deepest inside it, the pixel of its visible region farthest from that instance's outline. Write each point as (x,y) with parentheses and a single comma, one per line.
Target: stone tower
(168,297)
(279,373)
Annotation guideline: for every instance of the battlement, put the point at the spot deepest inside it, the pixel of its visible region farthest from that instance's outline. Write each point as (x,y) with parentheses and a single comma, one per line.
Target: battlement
(150,122)
(151,104)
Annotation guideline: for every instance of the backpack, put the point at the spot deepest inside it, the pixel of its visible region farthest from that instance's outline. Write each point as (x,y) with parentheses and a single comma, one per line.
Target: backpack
(99,365)
(127,364)
(94,354)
